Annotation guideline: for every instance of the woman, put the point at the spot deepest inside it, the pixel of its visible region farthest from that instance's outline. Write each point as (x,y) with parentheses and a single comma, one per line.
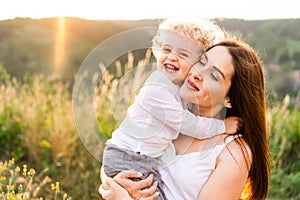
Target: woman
(229,69)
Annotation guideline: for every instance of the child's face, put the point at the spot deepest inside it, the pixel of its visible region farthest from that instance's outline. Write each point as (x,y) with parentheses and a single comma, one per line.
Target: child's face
(178,54)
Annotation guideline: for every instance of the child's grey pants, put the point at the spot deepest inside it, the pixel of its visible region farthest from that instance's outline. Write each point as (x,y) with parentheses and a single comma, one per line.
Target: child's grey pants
(116,160)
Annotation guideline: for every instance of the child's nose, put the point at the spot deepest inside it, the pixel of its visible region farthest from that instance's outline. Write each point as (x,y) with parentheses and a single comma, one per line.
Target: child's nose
(172,56)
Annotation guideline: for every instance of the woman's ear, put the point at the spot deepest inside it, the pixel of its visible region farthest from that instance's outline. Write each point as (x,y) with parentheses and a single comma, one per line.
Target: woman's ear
(227,103)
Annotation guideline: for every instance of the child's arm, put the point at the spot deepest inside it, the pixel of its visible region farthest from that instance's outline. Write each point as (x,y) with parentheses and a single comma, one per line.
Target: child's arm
(230,125)
(176,117)
(201,127)
(163,104)
(208,127)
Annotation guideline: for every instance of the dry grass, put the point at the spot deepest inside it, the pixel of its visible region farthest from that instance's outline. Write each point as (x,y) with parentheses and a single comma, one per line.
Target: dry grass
(36,121)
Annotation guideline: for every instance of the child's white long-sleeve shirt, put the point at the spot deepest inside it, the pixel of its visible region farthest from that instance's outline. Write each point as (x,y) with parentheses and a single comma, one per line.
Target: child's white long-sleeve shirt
(157,116)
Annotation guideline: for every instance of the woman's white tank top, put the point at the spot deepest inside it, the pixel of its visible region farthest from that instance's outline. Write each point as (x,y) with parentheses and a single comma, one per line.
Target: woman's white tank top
(185,177)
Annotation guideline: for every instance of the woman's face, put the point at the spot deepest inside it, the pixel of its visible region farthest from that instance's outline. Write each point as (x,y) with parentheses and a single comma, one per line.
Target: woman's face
(209,81)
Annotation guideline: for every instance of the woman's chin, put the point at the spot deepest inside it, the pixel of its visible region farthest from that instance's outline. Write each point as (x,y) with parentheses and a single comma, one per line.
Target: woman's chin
(187,94)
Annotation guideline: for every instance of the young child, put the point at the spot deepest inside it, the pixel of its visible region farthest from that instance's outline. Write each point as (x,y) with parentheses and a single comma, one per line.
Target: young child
(157,115)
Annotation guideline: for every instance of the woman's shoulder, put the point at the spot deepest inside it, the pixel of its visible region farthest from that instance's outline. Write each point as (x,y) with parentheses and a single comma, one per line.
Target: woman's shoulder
(239,150)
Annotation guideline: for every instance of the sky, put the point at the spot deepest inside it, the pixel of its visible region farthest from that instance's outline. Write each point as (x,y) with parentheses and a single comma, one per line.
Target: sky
(151,9)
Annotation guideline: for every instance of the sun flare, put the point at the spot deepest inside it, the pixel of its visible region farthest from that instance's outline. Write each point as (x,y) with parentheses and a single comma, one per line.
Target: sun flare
(59,45)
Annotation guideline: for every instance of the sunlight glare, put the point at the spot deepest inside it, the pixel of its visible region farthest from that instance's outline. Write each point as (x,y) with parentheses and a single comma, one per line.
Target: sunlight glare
(59,45)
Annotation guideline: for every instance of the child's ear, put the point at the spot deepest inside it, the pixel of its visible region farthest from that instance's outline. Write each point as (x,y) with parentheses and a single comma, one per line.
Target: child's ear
(227,103)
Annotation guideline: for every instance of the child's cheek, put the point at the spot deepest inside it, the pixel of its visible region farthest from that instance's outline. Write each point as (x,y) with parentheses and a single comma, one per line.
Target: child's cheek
(185,70)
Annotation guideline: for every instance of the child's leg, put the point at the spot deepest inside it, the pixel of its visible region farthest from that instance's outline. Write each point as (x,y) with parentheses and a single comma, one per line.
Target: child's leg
(112,160)
(116,160)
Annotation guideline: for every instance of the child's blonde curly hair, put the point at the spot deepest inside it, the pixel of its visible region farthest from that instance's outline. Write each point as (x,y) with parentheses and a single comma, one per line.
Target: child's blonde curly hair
(202,31)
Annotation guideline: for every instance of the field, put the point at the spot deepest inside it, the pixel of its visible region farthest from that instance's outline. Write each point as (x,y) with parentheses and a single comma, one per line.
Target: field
(41,148)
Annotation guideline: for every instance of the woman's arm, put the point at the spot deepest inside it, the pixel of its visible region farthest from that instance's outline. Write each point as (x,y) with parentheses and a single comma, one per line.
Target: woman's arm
(123,184)
(228,179)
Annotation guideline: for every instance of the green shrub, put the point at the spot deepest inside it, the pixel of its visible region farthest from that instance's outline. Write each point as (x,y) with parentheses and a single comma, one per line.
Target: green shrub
(284,144)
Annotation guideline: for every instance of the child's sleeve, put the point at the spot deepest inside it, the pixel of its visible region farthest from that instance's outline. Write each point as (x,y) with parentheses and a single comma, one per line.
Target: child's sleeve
(161,100)
(171,113)
(200,127)
(167,108)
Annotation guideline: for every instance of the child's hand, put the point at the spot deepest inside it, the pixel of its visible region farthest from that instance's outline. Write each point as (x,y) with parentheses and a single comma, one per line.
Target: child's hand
(233,124)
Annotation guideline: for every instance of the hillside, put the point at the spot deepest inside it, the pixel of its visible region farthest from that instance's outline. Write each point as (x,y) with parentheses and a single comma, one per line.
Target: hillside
(29,45)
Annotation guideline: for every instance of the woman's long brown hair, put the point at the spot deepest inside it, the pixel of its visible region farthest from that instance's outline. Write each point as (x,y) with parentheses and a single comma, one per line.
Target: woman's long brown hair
(247,97)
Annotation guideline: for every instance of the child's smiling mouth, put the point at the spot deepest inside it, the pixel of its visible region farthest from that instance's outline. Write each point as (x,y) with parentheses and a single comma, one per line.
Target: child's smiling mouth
(170,68)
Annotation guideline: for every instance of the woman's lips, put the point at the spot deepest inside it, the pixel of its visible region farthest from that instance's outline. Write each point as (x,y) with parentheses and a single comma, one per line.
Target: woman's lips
(191,85)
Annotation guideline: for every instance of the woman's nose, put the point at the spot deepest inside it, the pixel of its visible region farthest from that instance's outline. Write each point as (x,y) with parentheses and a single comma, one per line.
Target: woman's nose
(197,75)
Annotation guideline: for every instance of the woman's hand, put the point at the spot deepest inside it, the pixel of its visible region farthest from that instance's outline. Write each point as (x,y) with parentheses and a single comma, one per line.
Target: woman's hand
(137,189)
(111,190)
(122,187)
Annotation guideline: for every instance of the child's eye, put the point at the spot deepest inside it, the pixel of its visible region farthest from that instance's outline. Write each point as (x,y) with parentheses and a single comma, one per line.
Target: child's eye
(166,50)
(184,55)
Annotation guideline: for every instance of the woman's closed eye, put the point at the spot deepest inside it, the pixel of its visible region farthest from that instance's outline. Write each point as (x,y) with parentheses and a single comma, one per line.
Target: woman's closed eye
(215,76)
(203,60)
